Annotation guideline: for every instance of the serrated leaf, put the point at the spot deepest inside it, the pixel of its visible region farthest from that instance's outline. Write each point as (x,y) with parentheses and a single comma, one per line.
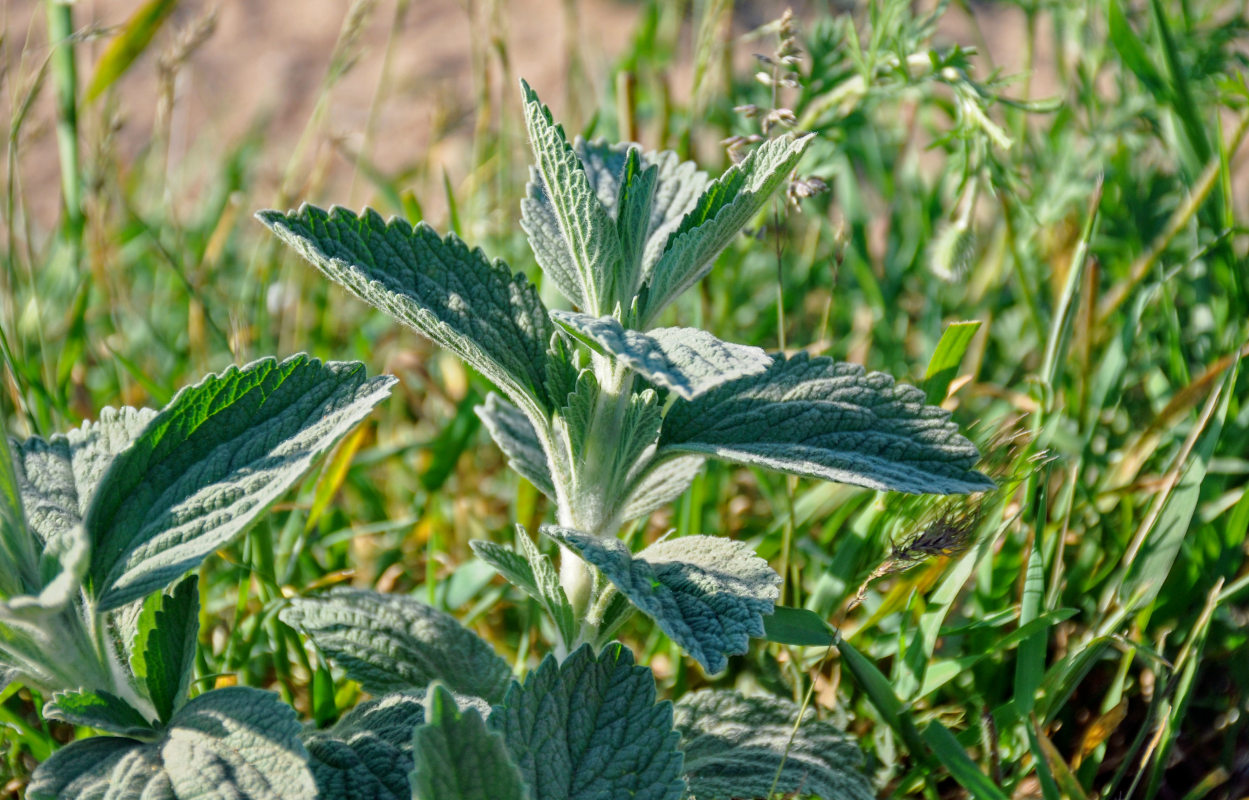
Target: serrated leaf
(97,709)
(393,643)
(829,420)
(512,431)
(164,653)
(457,757)
(588,233)
(530,570)
(590,729)
(688,361)
(540,222)
(211,461)
(734,744)
(58,476)
(660,485)
(482,312)
(633,207)
(367,755)
(678,185)
(709,594)
(101,768)
(237,743)
(724,208)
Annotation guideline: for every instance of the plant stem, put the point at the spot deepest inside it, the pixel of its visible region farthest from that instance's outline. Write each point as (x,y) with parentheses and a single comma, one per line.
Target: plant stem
(65,80)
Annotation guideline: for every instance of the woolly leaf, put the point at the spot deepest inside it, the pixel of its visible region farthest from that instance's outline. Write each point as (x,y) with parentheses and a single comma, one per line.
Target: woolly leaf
(101,710)
(678,185)
(660,485)
(456,756)
(590,729)
(707,593)
(734,745)
(236,743)
(393,643)
(720,213)
(688,361)
(367,755)
(208,464)
(482,312)
(58,476)
(633,206)
(829,420)
(164,654)
(531,570)
(587,232)
(514,434)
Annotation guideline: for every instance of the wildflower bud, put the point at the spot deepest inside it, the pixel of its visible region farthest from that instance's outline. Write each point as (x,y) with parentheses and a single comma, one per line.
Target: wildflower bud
(764,78)
(762,59)
(747,111)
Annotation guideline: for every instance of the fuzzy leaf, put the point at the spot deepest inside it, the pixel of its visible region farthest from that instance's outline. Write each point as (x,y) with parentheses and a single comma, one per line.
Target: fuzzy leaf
(588,233)
(456,756)
(101,710)
(482,312)
(531,570)
(721,212)
(229,744)
(707,593)
(826,419)
(660,485)
(540,222)
(208,464)
(58,476)
(688,361)
(678,185)
(393,643)
(164,653)
(590,729)
(367,755)
(514,434)
(633,206)
(733,746)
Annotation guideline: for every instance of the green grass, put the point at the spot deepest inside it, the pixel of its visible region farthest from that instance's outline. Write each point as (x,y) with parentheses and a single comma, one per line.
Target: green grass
(1091,640)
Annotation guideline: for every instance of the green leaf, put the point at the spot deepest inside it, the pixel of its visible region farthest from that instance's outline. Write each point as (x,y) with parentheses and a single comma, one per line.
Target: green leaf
(797,626)
(393,643)
(164,653)
(633,206)
(532,571)
(688,361)
(709,594)
(678,185)
(457,758)
(943,366)
(237,743)
(587,232)
(590,728)
(97,709)
(515,435)
(58,476)
(367,755)
(134,38)
(953,756)
(734,746)
(826,419)
(659,485)
(211,461)
(482,312)
(721,212)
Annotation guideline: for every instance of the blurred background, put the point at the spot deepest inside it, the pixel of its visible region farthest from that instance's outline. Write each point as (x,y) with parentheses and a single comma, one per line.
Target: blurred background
(1068,174)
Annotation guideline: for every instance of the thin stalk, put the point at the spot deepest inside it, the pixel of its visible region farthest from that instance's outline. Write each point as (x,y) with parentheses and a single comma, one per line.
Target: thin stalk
(65,81)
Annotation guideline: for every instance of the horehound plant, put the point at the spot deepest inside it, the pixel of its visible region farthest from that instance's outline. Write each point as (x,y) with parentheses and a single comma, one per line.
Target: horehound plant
(611,418)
